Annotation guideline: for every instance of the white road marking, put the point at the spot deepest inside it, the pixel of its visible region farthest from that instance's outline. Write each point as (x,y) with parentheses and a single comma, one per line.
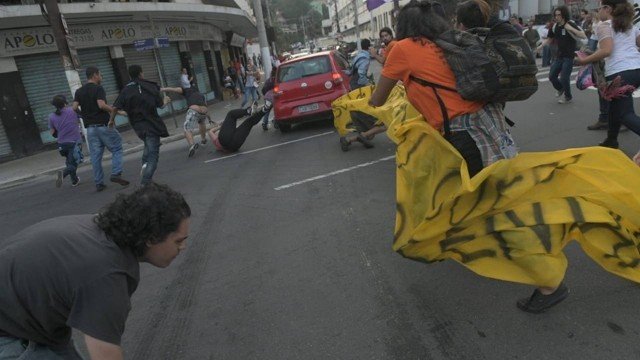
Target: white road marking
(334,173)
(270,146)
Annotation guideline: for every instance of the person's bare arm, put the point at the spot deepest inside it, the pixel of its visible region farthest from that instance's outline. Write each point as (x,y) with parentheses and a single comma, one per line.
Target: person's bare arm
(375,130)
(382,91)
(102,350)
(577,33)
(75,106)
(112,117)
(374,55)
(104,106)
(177,90)
(605,48)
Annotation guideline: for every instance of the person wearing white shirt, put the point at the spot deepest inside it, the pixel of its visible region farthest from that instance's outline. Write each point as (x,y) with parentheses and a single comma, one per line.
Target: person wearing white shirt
(618,42)
(185,79)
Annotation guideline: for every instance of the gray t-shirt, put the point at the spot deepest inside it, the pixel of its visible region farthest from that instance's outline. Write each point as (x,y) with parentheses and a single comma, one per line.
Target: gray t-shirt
(64,273)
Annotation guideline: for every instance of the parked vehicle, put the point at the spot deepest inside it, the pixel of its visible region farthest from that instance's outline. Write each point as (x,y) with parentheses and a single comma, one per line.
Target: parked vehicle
(305,88)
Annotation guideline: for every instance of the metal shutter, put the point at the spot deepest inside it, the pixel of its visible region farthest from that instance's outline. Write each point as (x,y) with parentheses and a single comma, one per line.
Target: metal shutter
(43,77)
(200,65)
(171,64)
(100,58)
(5,146)
(145,58)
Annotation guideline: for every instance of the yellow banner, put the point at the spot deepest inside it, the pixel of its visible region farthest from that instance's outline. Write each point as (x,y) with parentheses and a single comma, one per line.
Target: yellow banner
(513,219)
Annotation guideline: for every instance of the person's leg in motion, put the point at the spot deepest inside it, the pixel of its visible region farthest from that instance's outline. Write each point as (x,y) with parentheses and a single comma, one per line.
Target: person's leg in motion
(113,141)
(565,80)
(71,163)
(96,149)
(228,128)
(150,157)
(189,120)
(628,115)
(554,72)
(242,132)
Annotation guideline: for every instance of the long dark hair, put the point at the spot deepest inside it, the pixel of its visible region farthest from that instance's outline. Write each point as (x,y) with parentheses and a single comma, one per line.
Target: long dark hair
(59,101)
(622,12)
(147,215)
(473,13)
(419,19)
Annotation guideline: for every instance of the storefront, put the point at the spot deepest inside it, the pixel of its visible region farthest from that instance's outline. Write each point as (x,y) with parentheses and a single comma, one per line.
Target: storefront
(40,69)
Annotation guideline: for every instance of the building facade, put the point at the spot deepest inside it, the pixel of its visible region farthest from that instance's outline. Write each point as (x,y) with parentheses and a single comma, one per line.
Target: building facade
(201,36)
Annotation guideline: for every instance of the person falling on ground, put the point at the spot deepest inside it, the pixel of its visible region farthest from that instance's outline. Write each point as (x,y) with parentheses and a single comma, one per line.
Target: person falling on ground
(228,137)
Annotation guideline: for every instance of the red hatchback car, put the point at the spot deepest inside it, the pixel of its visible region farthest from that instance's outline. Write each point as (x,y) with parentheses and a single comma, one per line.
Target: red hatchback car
(306,86)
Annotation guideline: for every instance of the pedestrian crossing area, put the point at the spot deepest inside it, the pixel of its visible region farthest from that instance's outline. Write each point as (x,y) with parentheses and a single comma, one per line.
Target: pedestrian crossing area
(543,76)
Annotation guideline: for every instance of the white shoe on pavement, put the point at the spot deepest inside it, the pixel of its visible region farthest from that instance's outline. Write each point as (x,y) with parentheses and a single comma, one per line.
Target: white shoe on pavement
(564,100)
(144,166)
(559,93)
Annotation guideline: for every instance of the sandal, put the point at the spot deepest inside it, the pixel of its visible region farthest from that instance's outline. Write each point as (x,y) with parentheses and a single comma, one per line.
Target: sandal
(344,144)
(539,303)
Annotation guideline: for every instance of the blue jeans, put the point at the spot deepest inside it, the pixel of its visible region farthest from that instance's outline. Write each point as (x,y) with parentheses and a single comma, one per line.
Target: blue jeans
(621,109)
(546,55)
(100,137)
(562,67)
(249,90)
(69,151)
(150,157)
(17,349)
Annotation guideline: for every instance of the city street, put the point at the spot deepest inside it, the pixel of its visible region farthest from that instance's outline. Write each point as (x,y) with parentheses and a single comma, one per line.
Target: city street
(289,257)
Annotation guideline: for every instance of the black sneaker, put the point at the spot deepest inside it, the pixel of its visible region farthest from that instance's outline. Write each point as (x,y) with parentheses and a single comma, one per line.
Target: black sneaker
(610,143)
(265,127)
(344,144)
(364,141)
(76,182)
(100,187)
(539,303)
(203,141)
(118,180)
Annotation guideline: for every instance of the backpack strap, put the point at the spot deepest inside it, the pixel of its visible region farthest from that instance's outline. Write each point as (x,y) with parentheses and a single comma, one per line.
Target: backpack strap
(443,108)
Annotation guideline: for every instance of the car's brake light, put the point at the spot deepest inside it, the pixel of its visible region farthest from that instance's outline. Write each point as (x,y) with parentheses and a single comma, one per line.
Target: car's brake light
(337,78)
(276,91)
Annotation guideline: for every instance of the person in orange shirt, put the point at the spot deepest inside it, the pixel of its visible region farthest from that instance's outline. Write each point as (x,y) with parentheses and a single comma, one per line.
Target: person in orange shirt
(477,130)
(386,37)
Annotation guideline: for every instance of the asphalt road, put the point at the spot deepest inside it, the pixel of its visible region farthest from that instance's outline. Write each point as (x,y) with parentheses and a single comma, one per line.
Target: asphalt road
(280,268)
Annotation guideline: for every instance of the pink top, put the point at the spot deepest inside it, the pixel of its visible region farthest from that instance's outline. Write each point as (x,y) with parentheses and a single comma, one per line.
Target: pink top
(216,143)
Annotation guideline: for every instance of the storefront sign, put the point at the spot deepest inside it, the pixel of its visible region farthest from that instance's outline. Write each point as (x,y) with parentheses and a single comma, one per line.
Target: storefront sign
(37,40)
(237,40)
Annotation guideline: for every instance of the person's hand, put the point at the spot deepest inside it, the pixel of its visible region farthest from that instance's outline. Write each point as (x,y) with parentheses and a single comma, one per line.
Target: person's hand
(372,52)
(580,62)
(111,124)
(636,158)
(166,100)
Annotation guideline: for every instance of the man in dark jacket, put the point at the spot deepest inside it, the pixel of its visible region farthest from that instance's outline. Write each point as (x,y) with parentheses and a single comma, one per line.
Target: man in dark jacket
(140,100)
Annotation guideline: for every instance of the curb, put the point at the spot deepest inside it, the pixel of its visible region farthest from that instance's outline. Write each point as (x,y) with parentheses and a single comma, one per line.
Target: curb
(18,181)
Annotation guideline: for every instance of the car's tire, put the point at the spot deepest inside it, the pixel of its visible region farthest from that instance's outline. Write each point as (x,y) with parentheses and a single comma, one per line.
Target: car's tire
(284,128)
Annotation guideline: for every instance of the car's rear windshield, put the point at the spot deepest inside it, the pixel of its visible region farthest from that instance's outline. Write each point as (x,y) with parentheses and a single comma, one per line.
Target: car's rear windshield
(304,68)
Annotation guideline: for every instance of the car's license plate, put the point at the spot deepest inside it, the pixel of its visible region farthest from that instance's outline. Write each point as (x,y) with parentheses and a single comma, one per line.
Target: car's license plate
(307,108)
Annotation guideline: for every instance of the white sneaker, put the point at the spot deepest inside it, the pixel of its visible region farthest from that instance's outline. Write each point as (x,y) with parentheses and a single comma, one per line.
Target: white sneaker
(192,149)
(564,100)
(559,93)
(74,184)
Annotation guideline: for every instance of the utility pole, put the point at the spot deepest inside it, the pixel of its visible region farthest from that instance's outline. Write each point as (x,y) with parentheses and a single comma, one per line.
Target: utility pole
(396,11)
(304,31)
(262,36)
(355,22)
(160,68)
(270,23)
(64,42)
(335,6)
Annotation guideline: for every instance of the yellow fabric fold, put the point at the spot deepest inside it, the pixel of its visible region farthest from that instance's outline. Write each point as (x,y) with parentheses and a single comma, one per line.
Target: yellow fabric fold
(513,219)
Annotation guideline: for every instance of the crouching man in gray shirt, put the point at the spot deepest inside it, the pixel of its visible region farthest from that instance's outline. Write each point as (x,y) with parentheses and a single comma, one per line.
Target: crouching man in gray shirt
(80,272)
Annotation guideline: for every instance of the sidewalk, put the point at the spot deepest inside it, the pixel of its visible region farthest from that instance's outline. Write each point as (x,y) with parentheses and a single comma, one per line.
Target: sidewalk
(46,163)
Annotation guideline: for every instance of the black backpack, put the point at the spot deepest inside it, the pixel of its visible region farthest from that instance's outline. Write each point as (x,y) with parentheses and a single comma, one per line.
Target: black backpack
(492,65)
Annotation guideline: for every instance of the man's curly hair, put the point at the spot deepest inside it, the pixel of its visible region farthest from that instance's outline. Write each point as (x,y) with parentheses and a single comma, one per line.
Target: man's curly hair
(147,215)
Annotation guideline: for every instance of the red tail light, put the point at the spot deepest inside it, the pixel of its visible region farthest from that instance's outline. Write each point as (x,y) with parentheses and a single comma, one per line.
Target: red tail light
(276,91)
(337,78)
